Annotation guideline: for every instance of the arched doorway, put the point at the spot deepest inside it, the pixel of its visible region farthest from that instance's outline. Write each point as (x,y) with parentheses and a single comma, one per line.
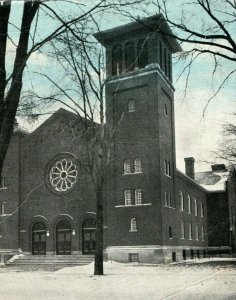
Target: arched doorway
(89,241)
(63,238)
(39,239)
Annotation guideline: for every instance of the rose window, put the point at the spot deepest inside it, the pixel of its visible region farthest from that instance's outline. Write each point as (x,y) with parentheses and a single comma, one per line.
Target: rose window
(63,175)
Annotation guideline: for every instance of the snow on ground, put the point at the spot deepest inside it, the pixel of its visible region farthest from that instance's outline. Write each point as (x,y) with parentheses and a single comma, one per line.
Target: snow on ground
(198,279)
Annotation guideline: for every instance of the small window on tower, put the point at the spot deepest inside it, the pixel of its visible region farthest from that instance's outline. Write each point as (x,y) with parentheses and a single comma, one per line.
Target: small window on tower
(142,53)
(138,197)
(129,56)
(133,224)
(127,166)
(128,200)
(131,105)
(137,165)
(166,110)
(116,60)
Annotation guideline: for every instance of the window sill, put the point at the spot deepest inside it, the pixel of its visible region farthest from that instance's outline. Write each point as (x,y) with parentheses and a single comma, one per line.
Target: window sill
(3,188)
(134,173)
(136,205)
(133,230)
(168,176)
(5,215)
(169,206)
(182,238)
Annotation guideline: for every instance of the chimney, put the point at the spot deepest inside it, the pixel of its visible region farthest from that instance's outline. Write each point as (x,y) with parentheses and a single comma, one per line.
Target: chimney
(189,167)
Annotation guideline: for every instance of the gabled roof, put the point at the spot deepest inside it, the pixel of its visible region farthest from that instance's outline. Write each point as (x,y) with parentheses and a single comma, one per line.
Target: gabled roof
(151,24)
(61,112)
(213,180)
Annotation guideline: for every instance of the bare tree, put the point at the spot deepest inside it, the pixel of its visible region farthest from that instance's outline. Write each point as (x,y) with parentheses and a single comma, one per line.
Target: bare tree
(11,81)
(227,149)
(81,89)
(204,28)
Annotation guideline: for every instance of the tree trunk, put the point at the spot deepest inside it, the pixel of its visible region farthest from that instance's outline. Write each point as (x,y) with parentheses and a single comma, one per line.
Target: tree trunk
(98,265)
(9,103)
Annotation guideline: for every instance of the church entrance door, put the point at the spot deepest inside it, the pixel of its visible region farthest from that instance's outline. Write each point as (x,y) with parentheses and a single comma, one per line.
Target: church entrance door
(63,238)
(39,239)
(89,242)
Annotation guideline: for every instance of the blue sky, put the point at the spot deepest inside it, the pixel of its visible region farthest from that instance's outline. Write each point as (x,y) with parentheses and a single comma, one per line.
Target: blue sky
(195,136)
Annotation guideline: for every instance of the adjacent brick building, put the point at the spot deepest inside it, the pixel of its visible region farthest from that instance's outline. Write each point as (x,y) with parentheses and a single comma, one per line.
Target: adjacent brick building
(154,213)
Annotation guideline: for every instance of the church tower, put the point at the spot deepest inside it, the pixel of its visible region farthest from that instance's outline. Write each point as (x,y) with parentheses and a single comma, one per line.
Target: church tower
(141,220)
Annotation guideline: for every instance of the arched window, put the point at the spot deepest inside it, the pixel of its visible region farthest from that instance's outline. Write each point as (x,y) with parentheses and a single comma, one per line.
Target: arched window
(131,105)
(189,204)
(128,200)
(166,199)
(116,59)
(142,54)
(169,169)
(170,232)
(129,56)
(89,224)
(195,207)
(165,61)
(202,233)
(127,166)
(196,232)
(166,110)
(190,231)
(165,167)
(202,210)
(137,165)
(133,224)
(160,54)
(182,230)
(138,197)
(181,201)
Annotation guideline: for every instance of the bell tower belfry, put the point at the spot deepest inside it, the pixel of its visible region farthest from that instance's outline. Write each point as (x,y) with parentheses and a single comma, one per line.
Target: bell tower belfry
(140,112)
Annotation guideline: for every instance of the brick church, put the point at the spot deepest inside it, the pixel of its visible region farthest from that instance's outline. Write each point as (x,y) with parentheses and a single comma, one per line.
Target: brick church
(154,212)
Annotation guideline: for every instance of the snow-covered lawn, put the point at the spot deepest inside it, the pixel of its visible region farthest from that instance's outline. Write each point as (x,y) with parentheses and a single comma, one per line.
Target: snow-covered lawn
(202,279)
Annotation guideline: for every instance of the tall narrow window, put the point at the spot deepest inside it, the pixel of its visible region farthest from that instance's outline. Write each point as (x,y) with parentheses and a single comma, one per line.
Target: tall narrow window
(137,165)
(190,231)
(202,210)
(189,204)
(195,207)
(166,110)
(166,199)
(170,67)
(170,232)
(128,200)
(138,197)
(181,201)
(2,212)
(182,230)
(3,182)
(129,56)
(142,54)
(160,55)
(169,200)
(133,224)
(131,105)
(116,60)
(127,166)
(165,167)
(202,233)
(165,61)
(169,169)
(196,232)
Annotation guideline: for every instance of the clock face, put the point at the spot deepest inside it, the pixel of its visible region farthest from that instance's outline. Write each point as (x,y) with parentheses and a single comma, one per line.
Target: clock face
(63,175)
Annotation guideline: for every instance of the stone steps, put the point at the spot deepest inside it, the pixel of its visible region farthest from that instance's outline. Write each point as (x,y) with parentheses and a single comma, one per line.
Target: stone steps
(49,261)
